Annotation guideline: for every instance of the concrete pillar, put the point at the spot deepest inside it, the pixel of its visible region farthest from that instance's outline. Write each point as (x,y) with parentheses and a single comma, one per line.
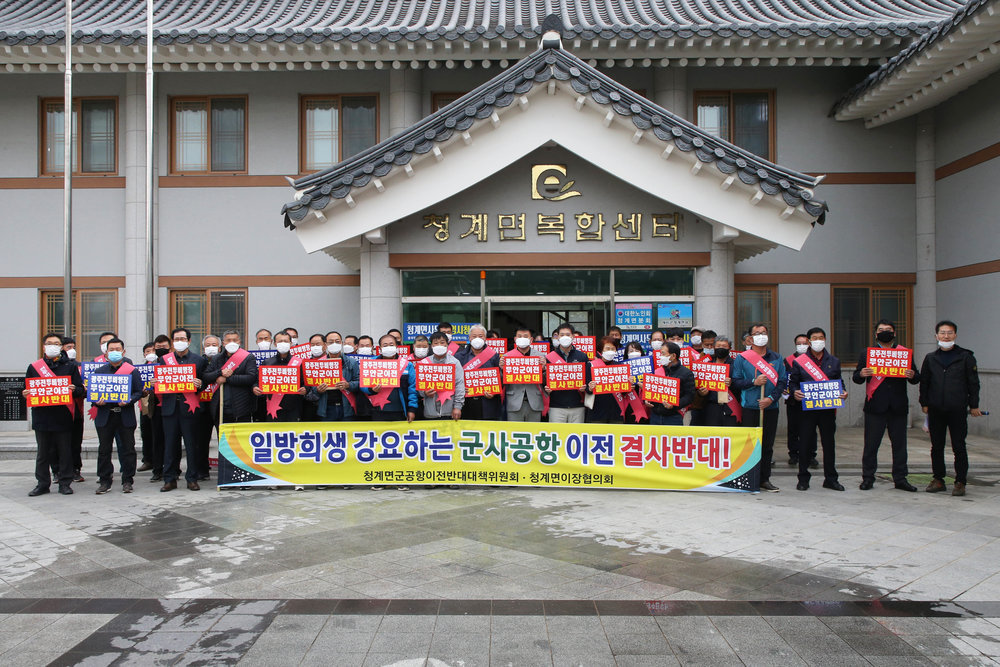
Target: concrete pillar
(714,292)
(132,306)
(670,90)
(404,99)
(925,291)
(380,308)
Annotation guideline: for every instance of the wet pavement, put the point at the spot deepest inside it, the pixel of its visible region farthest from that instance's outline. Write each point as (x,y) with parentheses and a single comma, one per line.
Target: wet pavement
(505,576)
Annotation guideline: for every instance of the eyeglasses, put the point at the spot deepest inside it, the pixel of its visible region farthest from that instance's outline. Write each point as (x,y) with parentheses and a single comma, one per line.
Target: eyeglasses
(946,333)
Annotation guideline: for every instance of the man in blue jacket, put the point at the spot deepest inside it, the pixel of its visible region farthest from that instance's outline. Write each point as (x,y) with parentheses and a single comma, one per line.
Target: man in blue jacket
(402,403)
(116,422)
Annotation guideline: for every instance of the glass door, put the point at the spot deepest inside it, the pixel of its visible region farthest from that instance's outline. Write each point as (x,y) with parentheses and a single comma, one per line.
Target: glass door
(543,314)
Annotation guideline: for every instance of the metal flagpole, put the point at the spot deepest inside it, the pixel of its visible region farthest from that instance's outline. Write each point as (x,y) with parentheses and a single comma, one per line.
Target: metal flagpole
(68,141)
(150,287)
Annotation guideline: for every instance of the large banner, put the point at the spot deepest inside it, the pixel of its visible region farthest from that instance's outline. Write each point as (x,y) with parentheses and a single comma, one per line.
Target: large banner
(490,453)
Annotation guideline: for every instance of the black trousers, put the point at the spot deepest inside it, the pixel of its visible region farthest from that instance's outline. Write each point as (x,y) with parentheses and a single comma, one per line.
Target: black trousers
(109,434)
(176,428)
(206,422)
(826,422)
(875,427)
(54,448)
(793,418)
(697,417)
(752,418)
(388,416)
(146,433)
(158,442)
(717,414)
(955,422)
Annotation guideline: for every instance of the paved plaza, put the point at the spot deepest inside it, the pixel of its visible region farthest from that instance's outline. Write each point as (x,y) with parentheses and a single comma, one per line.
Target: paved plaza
(503,576)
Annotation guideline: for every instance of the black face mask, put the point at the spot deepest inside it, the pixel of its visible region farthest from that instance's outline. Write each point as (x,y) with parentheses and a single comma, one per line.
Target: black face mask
(721,353)
(885,336)
(160,352)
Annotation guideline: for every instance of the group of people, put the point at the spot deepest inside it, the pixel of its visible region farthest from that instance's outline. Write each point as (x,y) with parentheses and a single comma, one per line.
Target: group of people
(758,380)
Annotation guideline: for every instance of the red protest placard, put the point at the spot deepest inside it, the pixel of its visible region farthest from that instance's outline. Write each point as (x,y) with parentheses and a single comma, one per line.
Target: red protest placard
(175,379)
(522,370)
(612,379)
(278,379)
(710,376)
(379,373)
(586,344)
(207,392)
(482,381)
(44,392)
(561,377)
(499,345)
(685,357)
(889,362)
(302,351)
(542,346)
(322,372)
(435,377)
(659,389)
(403,350)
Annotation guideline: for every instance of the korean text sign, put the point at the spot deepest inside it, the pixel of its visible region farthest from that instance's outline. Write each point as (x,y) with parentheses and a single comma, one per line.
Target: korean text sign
(499,345)
(148,373)
(278,379)
(323,372)
(586,344)
(175,379)
(710,376)
(611,379)
(44,392)
(561,377)
(482,381)
(522,370)
(661,389)
(889,362)
(379,373)
(435,377)
(823,395)
(109,388)
(640,366)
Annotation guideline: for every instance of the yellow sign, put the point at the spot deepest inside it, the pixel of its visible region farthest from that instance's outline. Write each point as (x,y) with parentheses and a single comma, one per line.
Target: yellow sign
(548,181)
(494,453)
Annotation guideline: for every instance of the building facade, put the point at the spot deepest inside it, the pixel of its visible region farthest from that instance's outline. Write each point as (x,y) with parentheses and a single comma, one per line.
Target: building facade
(560,197)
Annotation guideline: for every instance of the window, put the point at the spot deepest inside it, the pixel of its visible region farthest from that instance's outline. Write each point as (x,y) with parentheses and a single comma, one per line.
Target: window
(95,147)
(743,117)
(855,312)
(208,311)
(335,127)
(664,282)
(756,304)
(208,135)
(92,313)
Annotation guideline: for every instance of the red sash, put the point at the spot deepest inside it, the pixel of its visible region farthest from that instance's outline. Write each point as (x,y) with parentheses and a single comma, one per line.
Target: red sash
(815,372)
(235,359)
(101,358)
(631,398)
(761,365)
(453,347)
(481,359)
(44,371)
(442,395)
(190,397)
(876,380)
(381,398)
(274,400)
(790,360)
(735,408)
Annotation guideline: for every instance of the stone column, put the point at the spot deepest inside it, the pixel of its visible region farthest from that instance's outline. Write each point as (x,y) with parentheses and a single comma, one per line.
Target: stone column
(714,291)
(380,308)
(404,99)
(670,90)
(132,305)
(925,291)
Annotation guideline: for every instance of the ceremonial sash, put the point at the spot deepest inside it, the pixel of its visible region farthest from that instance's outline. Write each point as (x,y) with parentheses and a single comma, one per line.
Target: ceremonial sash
(235,359)
(481,359)
(790,360)
(442,395)
(875,381)
(815,372)
(761,365)
(631,398)
(347,393)
(274,400)
(381,398)
(101,358)
(453,347)
(44,371)
(92,410)
(190,397)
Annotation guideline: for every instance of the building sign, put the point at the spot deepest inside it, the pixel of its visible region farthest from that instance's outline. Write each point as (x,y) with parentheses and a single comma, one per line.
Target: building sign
(634,316)
(459,330)
(590,225)
(674,315)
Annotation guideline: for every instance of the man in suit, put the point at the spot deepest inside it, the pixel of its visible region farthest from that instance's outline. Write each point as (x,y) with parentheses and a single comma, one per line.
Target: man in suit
(235,371)
(116,422)
(524,401)
(180,415)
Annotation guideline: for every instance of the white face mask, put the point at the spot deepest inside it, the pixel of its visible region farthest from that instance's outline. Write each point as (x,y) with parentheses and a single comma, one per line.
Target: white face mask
(283,347)
(666,359)
(708,350)
(522,342)
(801,349)
(263,345)
(478,343)
(634,355)
(747,347)
(151,357)
(211,351)
(946,344)
(53,351)
(420,352)
(608,355)
(295,341)
(364,351)
(71,353)
(334,348)
(760,340)
(696,339)
(232,347)
(316,350)
(181,345)
(440,350)
(656,344)
(817,345)
(347,348)
(104,348)
(389,351)
(565,341)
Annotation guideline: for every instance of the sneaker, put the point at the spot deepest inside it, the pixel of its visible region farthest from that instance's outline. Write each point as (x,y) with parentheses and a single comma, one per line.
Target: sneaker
(958,489)
(767,486)
(936,486)
(126,488)
(77,477)
(103,488)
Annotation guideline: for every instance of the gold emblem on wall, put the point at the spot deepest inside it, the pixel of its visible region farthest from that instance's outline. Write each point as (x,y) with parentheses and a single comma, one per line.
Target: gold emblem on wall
(549,181)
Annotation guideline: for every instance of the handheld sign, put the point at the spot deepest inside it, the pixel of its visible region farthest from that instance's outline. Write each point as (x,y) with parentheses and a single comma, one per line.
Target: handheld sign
(710,376)
(823,395)
(379,372)
(302,351)
(262,355)
(109,388)
(87,369)
(889,362)
(148,373)
(661,389)
(586,344)
(175,379)
(403,350)
(322,372)
(541,346)
(640,366)
(522,370)
(278,379)
(499,345)
(435,377)
(562,377)
(45,392)
(482,381)
(685,357)
(612,379)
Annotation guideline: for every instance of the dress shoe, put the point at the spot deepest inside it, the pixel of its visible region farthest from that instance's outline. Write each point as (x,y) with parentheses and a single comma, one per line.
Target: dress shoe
(77,477)
(156,478)
(168,486)
(793,460)
(204,478)
(867,484)
(958,489)
(38,490)
(835,486)
(102,489)
(144,467)
(814,464)
(767,486)
(126,488)
(66,491)
(192,486)
(801,487)
(936,486)
(905,486)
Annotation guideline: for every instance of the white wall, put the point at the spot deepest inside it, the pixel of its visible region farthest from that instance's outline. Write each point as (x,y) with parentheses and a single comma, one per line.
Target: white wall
(310,309)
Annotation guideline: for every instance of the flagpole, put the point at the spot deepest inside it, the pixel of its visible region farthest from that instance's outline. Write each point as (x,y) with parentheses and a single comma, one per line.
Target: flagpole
(150,273)
(68,141)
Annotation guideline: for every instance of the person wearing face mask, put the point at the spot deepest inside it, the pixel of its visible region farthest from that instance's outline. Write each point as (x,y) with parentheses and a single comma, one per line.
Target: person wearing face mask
(566,406)
(211,346)
(235,371)
(103,341)
(886,407)
(115,422)
(704,351)
(444,404)
(395,403)
(747,341)
(447,330)
(615,334)
(283,407)
(53,424)
(161,347)
(725,411)
(662,414)
(793,408)
(949,388)
(337,402)
(760,377)
(656,341)
(317,351)
(364,347)
(822,366)
(69,347)
(264,339)
(696,342)
(616,408)
(145,415)
(421,348)
(350,344)
(180,415)
(293,334)
(477,354)
(524,402)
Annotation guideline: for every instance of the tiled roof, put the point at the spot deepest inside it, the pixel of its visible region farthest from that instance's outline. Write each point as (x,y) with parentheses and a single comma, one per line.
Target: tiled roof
(338,182)
(202,21)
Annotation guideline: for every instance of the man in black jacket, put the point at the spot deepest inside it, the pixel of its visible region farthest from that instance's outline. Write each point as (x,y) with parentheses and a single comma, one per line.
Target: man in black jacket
(661,414)
(235,380)
(116,422)
(949,385)
(180,415)
(289,406)
(53,424)
(886,406)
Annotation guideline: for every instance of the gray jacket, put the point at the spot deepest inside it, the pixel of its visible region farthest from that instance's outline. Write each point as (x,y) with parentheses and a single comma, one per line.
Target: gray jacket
(432,408)
(516,394)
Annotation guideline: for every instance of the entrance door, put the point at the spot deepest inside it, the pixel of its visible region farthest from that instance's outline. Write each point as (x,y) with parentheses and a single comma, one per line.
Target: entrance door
(590,317)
